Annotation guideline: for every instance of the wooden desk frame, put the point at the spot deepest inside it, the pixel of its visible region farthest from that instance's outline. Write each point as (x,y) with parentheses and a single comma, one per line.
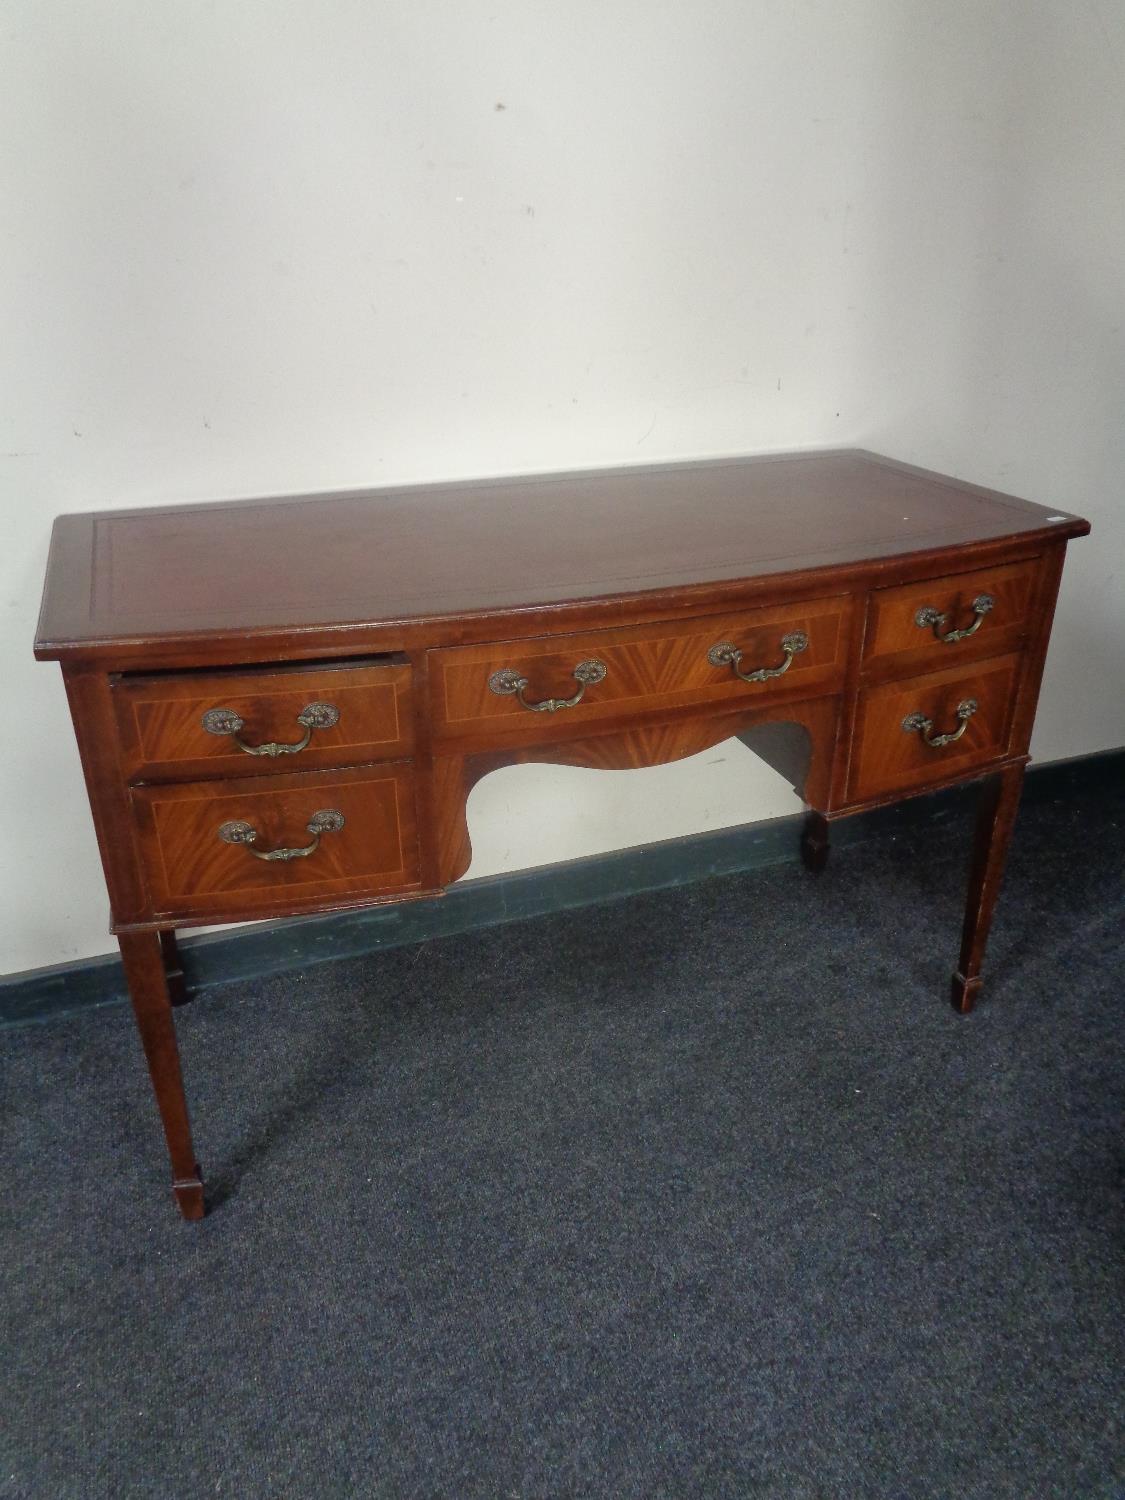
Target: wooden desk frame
(835,639)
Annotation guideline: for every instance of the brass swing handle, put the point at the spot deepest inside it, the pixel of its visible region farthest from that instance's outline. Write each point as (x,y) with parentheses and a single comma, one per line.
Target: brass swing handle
(930,618)
(917,723)
(508,680)
(723,654)
(314,716)
(328,820)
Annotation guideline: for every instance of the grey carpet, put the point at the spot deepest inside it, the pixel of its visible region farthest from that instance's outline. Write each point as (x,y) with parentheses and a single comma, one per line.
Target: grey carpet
(706,1193)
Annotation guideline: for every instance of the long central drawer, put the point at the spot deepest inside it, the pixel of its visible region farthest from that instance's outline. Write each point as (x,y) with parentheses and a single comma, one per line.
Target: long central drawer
(534,689)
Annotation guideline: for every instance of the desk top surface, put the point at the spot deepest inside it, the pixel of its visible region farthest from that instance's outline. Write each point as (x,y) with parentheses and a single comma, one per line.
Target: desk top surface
(483,547)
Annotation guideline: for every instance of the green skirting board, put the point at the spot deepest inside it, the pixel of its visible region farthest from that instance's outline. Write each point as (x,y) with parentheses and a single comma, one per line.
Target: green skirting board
(273,947)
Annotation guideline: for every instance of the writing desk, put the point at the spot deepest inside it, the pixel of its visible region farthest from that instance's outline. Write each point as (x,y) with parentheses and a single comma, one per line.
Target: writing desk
(281,705)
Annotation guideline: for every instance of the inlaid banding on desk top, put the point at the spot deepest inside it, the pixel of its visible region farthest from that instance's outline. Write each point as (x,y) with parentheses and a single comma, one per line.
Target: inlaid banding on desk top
(507,544)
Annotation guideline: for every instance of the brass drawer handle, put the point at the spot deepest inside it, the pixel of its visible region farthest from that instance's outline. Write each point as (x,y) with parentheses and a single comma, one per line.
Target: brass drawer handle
(930,618)
(314,716)
(917,723)
(328,820)
(723,654)
(508,680)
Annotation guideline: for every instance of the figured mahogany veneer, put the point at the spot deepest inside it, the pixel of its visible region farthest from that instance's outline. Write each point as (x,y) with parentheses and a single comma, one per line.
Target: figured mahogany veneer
(889,758)
(162,719)
(649,670)
(376,654)
(193,873)
(896,641)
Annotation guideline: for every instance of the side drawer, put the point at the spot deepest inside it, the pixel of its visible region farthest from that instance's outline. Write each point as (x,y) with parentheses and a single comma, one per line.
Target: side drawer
(956,617)
(278,719)
(894,750)
(636,669)
(198,841)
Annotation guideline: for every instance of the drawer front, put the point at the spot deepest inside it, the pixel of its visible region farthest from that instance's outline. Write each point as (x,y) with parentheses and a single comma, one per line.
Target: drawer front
(668,665)
(197,840)
(197,723)
(900,726)
(964,615)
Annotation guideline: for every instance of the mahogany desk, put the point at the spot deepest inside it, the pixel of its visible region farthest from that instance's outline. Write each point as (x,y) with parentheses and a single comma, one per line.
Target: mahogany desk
(281,705)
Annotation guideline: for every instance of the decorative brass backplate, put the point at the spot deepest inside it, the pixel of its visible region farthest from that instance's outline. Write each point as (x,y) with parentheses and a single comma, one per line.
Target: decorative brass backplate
(929,618)
(724,654)
(918,723)
(224,721)
(508,681)
(328,820)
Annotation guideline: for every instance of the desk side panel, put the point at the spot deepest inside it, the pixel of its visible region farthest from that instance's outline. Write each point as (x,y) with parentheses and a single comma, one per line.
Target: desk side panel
(95,728)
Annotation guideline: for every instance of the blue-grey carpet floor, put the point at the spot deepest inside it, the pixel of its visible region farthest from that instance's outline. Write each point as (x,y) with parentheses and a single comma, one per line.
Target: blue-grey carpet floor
(703,1193)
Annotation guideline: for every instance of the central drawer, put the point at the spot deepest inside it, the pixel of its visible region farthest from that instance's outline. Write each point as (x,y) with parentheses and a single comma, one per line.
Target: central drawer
(226,850)
(533,689)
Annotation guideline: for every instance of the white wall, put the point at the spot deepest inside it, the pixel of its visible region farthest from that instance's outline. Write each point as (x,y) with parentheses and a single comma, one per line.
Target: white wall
(274,245)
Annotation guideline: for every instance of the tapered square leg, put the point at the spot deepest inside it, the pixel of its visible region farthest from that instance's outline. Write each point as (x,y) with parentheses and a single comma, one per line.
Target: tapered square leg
(996,819)
(814,842)
(142,955)
(189,1196)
